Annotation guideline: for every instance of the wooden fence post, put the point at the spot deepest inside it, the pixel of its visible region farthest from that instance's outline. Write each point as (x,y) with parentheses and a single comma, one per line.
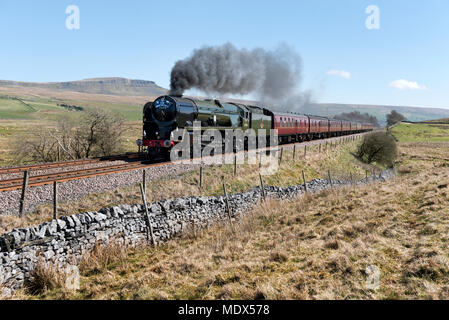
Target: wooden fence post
(320,148)
(294,151)
(201,177)
(147,218)
(305,152)
(144,180)
(22,197)
(262,187)
(55,200)
(330,178)
(282,152)
(235,165)
(305,182)
(228,210)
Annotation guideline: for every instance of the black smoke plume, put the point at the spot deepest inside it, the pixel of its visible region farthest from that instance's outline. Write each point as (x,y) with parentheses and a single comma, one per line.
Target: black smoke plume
(273,76)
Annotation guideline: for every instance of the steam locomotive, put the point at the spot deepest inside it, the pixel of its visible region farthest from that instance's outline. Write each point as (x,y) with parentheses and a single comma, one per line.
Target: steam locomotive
(169,113)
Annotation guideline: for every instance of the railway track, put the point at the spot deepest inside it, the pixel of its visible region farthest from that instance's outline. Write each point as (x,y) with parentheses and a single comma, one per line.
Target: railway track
(53,165)
(40,180)
(46,179)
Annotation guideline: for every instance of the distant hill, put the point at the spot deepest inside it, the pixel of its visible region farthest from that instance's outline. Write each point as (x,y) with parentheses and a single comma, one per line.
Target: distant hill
(138,92)
(108,86)
(379,111)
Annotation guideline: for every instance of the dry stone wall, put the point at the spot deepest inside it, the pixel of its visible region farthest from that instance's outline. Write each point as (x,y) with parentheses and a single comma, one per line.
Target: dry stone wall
(63,241)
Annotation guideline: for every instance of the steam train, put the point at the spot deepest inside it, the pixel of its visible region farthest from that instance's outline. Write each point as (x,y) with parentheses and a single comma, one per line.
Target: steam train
(169,113)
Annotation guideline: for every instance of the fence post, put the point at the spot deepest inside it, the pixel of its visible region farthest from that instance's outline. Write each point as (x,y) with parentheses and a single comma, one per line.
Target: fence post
(262,187)
(282,152)
(55,200)
(147,218)
(226,200)
(330,178)
(294,151)
(144,180)
(305,182)
(320,148)
(235,165)
(305,152)
(201,176)
(24,189)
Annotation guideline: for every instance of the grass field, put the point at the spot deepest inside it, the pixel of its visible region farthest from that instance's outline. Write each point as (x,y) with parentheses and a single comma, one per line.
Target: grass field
(312,247)
(418,132)
(20,114)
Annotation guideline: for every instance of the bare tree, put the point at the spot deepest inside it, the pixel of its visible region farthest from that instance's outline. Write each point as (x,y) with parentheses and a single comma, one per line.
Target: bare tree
(97,132)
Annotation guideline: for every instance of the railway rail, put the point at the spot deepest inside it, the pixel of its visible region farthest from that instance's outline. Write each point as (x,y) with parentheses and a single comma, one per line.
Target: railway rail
(46,179)
(43,166)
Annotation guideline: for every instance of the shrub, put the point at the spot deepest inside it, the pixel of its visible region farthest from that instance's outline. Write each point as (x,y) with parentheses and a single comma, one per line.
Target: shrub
(394,117)
(379,147)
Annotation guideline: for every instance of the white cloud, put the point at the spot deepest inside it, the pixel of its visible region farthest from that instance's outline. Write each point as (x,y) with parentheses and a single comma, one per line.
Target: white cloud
(407,85)
(340,73)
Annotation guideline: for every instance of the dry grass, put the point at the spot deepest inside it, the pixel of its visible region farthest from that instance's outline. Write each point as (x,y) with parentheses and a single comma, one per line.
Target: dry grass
(102,257)
(313,247)
(45,276)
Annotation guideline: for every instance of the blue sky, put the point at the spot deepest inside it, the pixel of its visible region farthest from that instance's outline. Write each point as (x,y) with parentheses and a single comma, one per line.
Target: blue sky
(405,62)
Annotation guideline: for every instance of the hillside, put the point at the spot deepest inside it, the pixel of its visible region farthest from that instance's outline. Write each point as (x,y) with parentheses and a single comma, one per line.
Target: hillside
(138,92)
(108,86)
(380,112)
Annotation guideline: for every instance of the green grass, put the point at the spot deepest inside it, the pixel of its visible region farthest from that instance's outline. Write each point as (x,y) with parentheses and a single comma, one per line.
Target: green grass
(18,115)
(47,109)
(407,132)
(14,109)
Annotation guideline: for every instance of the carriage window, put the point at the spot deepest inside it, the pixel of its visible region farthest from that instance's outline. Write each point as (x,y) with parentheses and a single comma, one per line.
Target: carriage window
(280,122)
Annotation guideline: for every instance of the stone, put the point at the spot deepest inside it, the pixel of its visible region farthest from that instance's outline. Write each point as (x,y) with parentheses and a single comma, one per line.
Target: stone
(61,224)
(118,211)
(76,220)
(52,228)
(69,222)
(49,254)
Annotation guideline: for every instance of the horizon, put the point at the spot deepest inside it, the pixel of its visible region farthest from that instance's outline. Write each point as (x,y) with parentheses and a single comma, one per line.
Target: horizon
(204,95)
(398,60)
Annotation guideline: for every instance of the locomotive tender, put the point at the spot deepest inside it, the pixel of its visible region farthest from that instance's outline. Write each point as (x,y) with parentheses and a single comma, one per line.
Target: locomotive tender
(169,113)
